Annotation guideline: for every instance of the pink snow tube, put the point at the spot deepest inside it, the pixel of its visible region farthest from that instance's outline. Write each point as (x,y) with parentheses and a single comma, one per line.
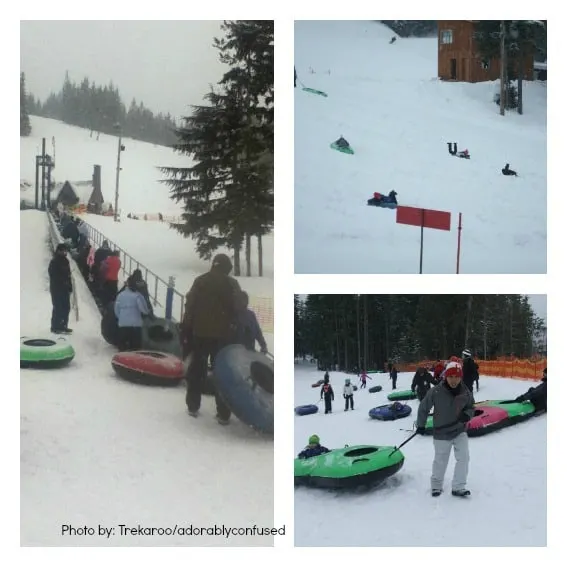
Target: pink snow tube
(486,418)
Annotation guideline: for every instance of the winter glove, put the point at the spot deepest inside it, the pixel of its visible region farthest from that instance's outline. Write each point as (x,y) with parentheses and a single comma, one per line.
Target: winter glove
(464,418)
(420,430)
(344,396)
(264,350)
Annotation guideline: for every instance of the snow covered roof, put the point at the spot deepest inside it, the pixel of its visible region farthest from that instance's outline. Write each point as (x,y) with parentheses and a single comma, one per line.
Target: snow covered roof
(540,66)
(82,189)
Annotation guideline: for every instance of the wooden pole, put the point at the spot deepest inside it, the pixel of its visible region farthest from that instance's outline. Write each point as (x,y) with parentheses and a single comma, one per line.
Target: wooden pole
(459,242)
(502,67)
(421,245)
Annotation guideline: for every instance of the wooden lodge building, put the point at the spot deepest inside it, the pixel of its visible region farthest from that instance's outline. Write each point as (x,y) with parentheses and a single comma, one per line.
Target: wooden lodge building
(72,194)
(458,57)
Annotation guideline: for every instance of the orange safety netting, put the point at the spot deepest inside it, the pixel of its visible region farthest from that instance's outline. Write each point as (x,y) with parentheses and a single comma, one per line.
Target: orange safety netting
(504,367)
(264,309)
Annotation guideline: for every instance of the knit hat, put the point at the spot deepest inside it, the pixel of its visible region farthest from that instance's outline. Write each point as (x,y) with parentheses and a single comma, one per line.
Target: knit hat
(467,352)
(222,262)
(453,369)
(314,440)
(347,380)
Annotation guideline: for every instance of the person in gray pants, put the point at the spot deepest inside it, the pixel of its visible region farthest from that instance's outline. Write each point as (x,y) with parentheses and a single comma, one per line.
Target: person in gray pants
(453,405)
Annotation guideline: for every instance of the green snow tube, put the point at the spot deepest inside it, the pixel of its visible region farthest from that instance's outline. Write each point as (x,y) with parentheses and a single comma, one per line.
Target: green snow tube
(402,395)
(347,150)
(45,353)
(314,91)
(360,465)
(517,411)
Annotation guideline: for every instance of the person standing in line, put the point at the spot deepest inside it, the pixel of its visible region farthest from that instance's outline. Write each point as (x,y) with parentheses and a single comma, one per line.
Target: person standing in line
(210,323)
(453,408)
(109,271)
(328,395)
(394,376)
(250,331)
(129,307)
(60,287)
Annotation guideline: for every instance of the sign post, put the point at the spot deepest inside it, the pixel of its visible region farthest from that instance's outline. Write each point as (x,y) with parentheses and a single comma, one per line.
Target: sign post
(424,218)
(459,242)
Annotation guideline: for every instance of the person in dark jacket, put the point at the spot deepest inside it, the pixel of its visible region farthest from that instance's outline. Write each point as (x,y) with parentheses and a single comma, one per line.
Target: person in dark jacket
(342,143)
(141,286)
(389,367)
(71,231)
(394,376)
(421,383)
(453,408)
(470,370)
(60,287)
(314,449)
(210,323)
(507,171)
(294,77)
(100,256)
(537,396)
(328,395)
(248,326)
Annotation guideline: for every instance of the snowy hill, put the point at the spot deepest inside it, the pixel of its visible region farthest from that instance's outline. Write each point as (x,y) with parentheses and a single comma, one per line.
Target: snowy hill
(99,450)
(76,153)
(386,101)
(507,477)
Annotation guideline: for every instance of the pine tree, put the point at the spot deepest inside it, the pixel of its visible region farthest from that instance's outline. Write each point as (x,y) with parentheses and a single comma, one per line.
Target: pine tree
(25,126)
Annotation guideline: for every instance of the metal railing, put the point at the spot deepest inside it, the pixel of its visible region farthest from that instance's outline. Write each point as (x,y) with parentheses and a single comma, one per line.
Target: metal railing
(157,286)
(163,293)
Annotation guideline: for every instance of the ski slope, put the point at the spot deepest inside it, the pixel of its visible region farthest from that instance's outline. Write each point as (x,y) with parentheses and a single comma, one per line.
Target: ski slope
(507,477)
(76,152)
(96,450)
(398,117)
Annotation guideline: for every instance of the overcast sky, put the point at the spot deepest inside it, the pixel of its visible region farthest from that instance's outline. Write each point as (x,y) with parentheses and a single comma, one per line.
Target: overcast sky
(166,64)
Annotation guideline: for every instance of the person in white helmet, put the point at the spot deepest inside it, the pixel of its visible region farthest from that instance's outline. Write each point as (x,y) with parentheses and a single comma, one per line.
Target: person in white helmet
(470,370)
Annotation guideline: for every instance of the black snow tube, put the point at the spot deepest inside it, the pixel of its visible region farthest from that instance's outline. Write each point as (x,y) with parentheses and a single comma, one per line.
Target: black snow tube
(161,335)
(306,410)
(375,389)
(109,325)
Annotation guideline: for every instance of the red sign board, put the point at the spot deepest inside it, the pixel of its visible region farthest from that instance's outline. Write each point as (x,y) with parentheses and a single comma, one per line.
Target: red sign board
(428,218)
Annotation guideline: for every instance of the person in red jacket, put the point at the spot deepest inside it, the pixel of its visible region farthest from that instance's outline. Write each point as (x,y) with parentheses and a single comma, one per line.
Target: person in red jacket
(109,271)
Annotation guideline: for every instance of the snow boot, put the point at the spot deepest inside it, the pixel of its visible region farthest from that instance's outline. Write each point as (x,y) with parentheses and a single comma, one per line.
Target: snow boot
(436,492)
(461,493)
(67,331)
(193,413)
(222,420)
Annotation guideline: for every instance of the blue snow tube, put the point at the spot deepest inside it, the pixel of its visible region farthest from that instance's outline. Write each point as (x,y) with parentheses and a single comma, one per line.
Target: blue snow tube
(306,410)
(245,381)
(389,412)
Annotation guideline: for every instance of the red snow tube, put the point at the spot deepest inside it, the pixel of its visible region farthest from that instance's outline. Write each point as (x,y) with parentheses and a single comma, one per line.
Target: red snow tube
(486,419)
(148,367)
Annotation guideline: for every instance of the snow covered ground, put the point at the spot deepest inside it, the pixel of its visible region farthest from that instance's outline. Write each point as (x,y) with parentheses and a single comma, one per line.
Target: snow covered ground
(99,451)
(507,478)
(387,102)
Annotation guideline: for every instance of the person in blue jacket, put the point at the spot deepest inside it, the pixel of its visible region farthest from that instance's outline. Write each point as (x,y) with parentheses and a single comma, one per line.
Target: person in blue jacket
(129,307)
(249,329)
(314,449)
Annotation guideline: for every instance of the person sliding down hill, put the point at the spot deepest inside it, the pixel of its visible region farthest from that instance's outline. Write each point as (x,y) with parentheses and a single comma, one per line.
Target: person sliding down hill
(348,394)
(537,395)
(342,143)
(313,449)
(328,394)
(508,171)
(464,154)
(378,198)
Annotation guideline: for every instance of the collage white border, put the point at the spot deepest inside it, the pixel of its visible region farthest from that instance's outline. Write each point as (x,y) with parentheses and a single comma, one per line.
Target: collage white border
(286,284)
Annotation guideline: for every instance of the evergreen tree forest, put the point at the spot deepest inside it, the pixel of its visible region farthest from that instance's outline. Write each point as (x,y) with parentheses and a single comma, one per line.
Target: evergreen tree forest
(228,193)
(363,332)
(25,126)
(100,109)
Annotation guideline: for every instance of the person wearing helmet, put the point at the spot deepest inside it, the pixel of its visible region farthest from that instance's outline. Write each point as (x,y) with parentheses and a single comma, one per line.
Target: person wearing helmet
(210,323)
(470,370)
(313,449)
(348,394)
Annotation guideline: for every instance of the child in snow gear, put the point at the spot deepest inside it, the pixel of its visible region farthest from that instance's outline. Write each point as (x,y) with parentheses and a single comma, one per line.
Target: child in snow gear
(248,327)
(453,407)
(328,394)
(394,376)
(313,449)
(537,395)
(342,143)
(470,370)
(379,198)
(60,287)
(363,378)
(348,394)
(421,383)
(508,171)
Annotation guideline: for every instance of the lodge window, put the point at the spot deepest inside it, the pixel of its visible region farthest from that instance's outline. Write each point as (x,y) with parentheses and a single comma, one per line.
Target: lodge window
(447,36)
